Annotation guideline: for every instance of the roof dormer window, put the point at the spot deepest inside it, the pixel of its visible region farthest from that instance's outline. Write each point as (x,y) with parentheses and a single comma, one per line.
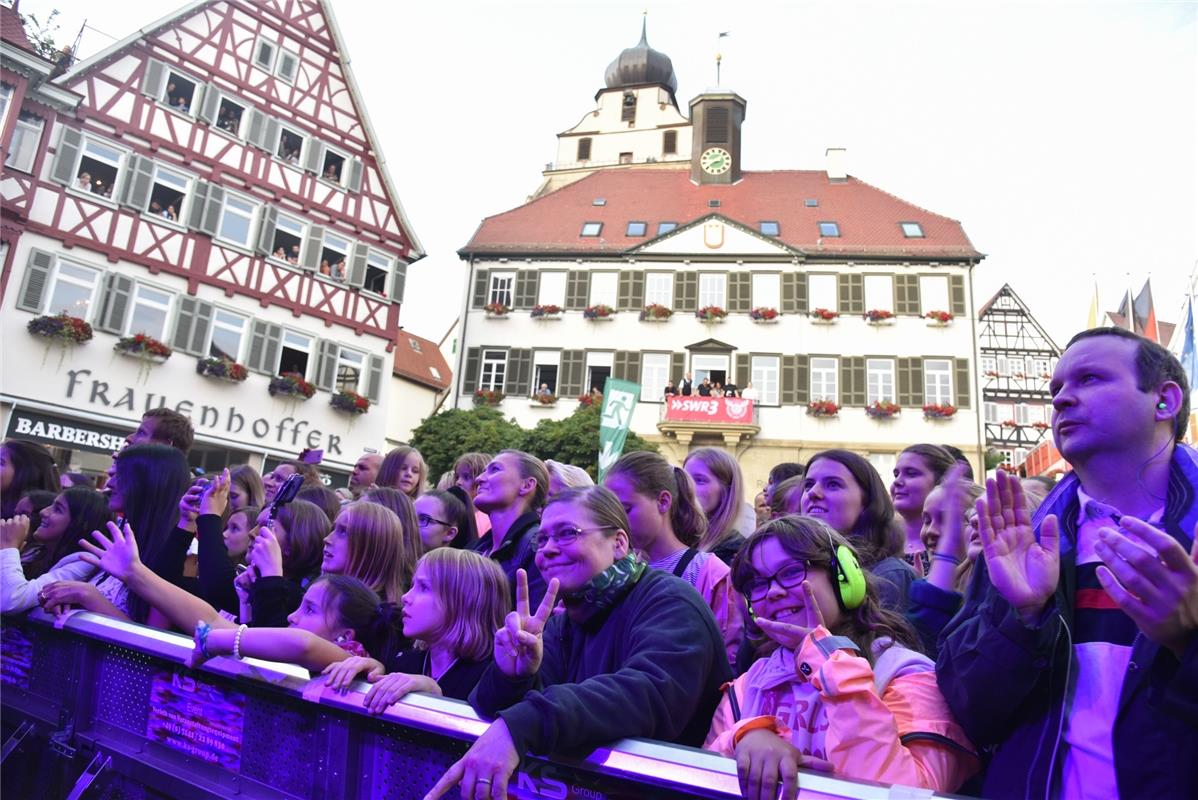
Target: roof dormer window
(591,228)
(829,229)
(665,227)
(769,228)
(912,230)
(811,202)
(636,229)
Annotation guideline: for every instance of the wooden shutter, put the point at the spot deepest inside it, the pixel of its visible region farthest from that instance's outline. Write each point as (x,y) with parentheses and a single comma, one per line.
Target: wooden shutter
(626,365)
(139,184)
(470,373)
(906,296)
(686,291)
(34,281)
(573,365)
(209,109)
(265,340)
(255,128)
(399,280)
(519,373)
(326,364)
(910,382)
(481,284)
(192,323)
(789,380)
(852,381)
(631,291)
(199,199)
(956,295)
(210,224)
(314,155)
(357,264)
(790,293)
(114,304)
(270,135)
(312,246)
(266,231)
(740,292)
(525,294)
(374,379)
(803,379)
(578,288)
(801,302)
(850,290)
(153,79)
(743,370)
(962,382)
(354,184)
(677,368)
(69,145)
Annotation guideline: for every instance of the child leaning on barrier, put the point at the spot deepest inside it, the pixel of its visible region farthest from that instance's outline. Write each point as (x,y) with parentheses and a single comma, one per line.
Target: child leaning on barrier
(844,689)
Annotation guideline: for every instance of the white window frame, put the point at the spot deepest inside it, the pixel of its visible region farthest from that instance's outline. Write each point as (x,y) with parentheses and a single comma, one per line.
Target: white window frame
(386,265)
(990,410)
(546,358)
(501,288)
(196,92)
(122,158)
(492,370)
(938,381)
(933,293)
(307,348)
(659,289)
(912,230)
(989,364)
(346,358)
(1041,366)
(251,219)
(551,288)
(765,373)
(1036,413)
(224,325)
(26,139)
(655,371)
(822,291)
(766,290)
(703,364)
(137,298)
(884,463)
(330,241)
(161,176)
(713,289)
(57,277)
(825,378)
(305,142)
(1003,365)
(345,159)
(274,54)
(302,235)
(6,93)
(604,289)
(278,69)
(879,293)
(880,380)
(235,101)
(1022,414)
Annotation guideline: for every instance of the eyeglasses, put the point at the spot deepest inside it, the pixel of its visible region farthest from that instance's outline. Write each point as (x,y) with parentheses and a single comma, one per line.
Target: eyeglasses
(565,536)
(424,520)
(788,577)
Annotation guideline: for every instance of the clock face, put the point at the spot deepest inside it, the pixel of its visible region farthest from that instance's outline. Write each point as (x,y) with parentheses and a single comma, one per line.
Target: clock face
(715,161)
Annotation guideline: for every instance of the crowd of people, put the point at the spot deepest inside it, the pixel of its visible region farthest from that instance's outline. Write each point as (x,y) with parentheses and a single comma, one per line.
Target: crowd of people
(1011,637)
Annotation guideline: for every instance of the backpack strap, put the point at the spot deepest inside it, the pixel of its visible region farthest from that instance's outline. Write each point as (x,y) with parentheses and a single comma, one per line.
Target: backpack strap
(729,689)
(681,566)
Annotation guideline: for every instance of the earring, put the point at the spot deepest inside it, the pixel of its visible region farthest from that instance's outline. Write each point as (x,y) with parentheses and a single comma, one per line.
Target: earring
(1162,405)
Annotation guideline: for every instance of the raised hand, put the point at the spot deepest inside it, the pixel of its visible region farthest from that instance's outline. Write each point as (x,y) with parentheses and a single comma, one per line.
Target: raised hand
(13,532)
(117,555)
(518,645)
(486,768)
(1024,571)
(266,554)
(788,634)
(215,498)
(189,507)
(1152,579)
(390,689)
(953,539)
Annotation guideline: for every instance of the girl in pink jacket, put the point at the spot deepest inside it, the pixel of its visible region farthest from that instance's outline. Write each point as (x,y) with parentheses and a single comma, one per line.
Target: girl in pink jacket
(844,689)
(666,526)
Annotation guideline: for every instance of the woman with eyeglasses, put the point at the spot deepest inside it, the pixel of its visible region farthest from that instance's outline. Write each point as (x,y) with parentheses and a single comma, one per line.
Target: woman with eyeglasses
(843,688)
(446,519)
(636,653)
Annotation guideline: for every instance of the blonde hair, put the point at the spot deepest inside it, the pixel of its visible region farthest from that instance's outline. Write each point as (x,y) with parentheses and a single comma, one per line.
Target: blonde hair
(569,475)
(474,594)
(529,466)
(725,470)
(377,555)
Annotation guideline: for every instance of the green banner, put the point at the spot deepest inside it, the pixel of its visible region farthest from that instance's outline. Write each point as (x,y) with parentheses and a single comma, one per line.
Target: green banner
(619,398)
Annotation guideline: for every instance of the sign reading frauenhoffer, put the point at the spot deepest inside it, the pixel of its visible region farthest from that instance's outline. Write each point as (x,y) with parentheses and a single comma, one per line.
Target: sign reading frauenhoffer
(728,410)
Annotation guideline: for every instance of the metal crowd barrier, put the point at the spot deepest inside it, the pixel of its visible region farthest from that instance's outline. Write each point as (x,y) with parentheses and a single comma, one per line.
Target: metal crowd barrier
(94,707)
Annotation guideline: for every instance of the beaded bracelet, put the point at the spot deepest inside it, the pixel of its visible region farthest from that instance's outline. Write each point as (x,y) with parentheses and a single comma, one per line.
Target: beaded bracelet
(237,641)
(948,557)
(202,631)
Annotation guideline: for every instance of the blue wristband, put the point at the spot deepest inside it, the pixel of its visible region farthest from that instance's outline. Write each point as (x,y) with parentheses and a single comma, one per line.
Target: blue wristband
(202,631)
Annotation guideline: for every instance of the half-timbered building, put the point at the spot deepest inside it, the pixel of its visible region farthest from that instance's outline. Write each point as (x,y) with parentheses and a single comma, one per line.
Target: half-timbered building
(211,182)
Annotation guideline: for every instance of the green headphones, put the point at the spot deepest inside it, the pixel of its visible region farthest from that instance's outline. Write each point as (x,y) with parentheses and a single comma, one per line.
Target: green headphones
(848,579)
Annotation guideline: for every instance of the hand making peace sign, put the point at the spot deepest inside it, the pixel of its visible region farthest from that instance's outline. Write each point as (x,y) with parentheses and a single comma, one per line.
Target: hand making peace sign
(518,644)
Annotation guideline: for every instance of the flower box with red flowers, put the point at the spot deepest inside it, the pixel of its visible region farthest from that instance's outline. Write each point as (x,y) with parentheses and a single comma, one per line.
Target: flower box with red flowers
(882,409)
(349,402)
(60,328)
(878,316)
(1041,426)
(822,408)
(142,346)
(711,314)
(938,318)
(764,314)
(291,384)
(546,312)
(222,369)
(543,400)
(598,312)
(496,309)
(939,411)
(656,312)
(991,373)
(586,399)
(824,315)
(1010,423)
(1046,376)
(488,397)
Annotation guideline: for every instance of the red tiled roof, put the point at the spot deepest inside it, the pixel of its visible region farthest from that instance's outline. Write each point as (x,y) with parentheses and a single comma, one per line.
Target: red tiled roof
(417,364)
(12,29)
(868,217)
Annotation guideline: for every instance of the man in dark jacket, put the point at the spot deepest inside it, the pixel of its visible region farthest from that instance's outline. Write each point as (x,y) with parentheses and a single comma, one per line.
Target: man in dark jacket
(1075,656)
(686,386)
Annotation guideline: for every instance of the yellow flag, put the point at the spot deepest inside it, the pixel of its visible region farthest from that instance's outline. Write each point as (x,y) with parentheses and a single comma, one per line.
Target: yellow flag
(1092,321)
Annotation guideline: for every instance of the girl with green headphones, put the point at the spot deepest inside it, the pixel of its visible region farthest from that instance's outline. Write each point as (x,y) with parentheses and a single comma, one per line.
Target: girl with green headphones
(843,688)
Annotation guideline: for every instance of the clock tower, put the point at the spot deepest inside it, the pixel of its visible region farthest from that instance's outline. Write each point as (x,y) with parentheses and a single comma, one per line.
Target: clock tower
(716,116)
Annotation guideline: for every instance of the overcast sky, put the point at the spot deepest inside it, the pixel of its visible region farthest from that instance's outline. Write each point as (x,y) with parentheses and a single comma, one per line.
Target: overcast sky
(1062,135)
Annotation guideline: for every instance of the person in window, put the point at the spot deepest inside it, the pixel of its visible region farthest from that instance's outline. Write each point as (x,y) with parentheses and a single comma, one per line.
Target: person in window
(543,391)
(280,252)
(730,390)
(84,181)
(717,389)
(687,386)
(180,104)
(332,173)
(170,213)
(293,255)
(705,388)
(325,269)
(670,390)
(749,392)
(339,270)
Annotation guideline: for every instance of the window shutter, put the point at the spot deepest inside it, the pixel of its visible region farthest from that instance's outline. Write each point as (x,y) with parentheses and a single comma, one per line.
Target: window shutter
(906,294)
(255,128)
(519,369)
(962,382)
(525,295)
(357,264)
(481,283)
(790,293)
(740,292)
(314,155)
(801,302)
(573,366)
(374,379)
(910,382)
(33,282)
(626,365)
(624,293)
(199,199)
(69,145)
(686,291)
(199,333)
(677,367)
(266,232)
(265,339)
(210,222)
(578,287)
(850,293)
(114,305)
(270,135)
(803,379)
(399,280)
(354,184)
(790,380)
(852,381)
(743,370)
(311,256)
(153,79)
(326,364)
(470,374)
(139,184)
(638,289)
(184,322)
(957,295)
(192,322)
(633,371)
(209,108)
